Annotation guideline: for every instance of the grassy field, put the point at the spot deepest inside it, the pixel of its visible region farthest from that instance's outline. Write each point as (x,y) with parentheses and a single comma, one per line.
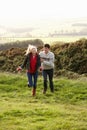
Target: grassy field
(66,109)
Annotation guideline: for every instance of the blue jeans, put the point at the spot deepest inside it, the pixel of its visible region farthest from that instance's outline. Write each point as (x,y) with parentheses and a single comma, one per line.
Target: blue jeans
(48,74)
(32,79)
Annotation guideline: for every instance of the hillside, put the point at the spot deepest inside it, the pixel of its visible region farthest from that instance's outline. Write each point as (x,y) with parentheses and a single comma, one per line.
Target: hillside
(20,44)
(70,57)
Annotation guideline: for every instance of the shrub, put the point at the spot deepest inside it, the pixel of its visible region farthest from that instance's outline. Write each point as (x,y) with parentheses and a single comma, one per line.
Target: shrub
(69,57)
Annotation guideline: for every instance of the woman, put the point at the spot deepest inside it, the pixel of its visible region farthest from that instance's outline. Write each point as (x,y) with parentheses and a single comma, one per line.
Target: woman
(32,63)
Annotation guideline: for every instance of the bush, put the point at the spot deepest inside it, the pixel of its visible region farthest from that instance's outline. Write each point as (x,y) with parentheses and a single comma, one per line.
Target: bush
(72,57)
(69,57)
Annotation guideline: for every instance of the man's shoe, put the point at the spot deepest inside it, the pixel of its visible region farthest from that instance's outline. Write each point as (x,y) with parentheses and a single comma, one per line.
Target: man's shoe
(29,85)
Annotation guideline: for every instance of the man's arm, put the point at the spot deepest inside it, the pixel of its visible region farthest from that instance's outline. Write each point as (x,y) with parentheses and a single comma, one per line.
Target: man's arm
(44,58)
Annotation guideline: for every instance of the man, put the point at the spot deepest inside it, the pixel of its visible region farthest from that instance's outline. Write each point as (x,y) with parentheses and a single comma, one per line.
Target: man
(47,64)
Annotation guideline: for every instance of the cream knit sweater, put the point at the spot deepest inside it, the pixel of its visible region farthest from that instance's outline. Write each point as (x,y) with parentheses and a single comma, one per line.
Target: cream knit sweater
(48,62)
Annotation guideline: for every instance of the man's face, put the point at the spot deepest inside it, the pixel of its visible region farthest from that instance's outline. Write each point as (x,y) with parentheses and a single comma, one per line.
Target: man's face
(46,49)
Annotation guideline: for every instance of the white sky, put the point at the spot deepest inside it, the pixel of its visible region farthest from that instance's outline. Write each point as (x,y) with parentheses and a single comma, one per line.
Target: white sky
(14,11)
(35,13)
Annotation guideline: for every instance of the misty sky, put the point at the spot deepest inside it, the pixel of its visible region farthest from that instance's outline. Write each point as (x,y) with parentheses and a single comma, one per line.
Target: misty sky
(41,17)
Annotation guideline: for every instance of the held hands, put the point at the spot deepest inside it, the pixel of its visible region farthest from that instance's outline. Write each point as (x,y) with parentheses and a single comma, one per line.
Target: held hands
(19,68)
(41,68)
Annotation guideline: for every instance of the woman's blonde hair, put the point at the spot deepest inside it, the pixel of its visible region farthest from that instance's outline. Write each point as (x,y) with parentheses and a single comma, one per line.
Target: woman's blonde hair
(29,49)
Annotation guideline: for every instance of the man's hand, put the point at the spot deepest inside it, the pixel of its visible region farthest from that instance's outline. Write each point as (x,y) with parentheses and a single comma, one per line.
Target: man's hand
(41,59)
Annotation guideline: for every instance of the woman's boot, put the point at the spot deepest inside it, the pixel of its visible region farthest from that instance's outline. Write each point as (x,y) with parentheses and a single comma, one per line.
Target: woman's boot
(33,92)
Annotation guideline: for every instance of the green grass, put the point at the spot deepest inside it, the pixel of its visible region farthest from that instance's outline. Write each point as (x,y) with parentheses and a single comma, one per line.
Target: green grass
(66,109)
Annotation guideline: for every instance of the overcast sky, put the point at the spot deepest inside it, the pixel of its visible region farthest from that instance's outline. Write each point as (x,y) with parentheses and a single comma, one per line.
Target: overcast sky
(42,16)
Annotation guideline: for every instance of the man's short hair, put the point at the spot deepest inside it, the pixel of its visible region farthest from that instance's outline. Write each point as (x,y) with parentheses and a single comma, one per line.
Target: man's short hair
(47,45)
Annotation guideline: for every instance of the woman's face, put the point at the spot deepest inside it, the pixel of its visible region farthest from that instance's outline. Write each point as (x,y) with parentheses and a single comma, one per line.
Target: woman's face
(34,51)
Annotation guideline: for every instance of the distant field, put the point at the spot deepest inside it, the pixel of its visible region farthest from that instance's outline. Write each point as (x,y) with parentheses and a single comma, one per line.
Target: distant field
(66,109)
(48,40)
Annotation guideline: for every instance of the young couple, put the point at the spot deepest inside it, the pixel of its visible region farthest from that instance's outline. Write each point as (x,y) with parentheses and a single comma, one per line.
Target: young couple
(33,61)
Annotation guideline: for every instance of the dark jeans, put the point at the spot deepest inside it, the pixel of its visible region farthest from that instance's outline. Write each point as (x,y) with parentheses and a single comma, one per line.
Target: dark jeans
(32,79)
(48,74)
